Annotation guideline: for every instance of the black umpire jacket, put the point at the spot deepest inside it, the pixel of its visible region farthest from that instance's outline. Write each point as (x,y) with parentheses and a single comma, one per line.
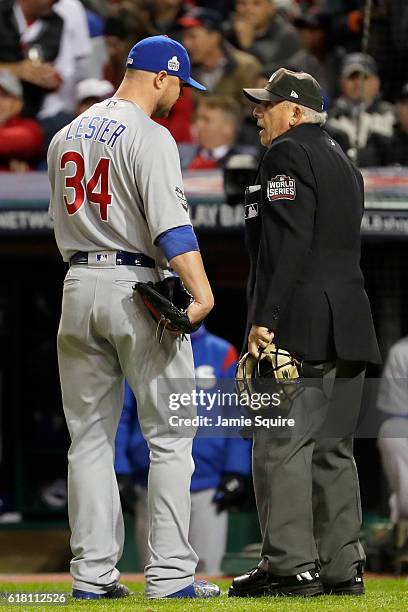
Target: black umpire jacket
(302,222)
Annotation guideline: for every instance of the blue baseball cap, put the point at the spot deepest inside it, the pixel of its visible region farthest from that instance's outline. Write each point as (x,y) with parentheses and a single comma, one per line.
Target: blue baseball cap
(162,53)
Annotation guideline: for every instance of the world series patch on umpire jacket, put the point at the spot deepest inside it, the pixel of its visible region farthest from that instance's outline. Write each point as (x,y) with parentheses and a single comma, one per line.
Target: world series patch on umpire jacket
(302,222)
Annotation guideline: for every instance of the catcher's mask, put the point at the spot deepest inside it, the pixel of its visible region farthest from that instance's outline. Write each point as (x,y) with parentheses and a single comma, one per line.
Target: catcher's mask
(278,366)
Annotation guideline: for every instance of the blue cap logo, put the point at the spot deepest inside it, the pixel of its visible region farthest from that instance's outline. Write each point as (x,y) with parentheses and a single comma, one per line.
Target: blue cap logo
(162,53)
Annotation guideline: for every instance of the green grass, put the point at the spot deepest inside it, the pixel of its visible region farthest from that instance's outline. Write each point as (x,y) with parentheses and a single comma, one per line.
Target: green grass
(390,594)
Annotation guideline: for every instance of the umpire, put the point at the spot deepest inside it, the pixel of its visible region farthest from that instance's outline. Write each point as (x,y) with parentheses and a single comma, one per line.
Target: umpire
(306,293)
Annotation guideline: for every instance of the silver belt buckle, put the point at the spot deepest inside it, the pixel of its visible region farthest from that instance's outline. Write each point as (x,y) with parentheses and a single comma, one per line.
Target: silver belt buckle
(102,259)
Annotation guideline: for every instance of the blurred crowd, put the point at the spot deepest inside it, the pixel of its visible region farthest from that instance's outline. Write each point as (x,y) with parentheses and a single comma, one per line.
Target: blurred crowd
(57,57)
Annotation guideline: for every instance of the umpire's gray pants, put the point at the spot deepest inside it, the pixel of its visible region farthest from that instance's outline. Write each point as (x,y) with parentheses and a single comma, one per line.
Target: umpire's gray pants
(306,482)
(103,336)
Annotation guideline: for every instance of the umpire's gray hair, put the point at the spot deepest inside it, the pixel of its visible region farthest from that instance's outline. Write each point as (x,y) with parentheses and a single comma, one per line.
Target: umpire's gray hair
(312,116)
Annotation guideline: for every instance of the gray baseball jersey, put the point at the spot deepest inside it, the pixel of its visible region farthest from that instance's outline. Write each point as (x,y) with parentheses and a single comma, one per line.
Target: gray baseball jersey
(116,181)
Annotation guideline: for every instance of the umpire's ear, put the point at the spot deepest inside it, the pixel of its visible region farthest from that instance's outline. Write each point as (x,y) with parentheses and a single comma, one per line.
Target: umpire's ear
(296,115)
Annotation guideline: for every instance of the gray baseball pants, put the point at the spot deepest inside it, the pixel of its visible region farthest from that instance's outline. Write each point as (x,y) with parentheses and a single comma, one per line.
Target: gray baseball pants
(208,530)
(104,336)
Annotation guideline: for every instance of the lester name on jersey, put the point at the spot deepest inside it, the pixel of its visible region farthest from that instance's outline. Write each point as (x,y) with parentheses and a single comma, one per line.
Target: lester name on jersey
(101,129)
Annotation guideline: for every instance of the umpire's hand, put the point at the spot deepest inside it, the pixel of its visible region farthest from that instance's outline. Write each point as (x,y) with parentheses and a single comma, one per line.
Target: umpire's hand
(127,493)
(259,338)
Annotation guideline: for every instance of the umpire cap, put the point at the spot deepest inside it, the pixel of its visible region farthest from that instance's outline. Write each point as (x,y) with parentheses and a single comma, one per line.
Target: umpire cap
(162,53)
(298,87)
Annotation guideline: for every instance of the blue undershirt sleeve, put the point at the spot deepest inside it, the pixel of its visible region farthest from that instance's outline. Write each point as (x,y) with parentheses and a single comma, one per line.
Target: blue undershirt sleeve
(177,241)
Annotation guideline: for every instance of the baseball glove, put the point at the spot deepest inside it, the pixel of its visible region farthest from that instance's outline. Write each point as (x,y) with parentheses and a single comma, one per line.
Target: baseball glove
(167,301)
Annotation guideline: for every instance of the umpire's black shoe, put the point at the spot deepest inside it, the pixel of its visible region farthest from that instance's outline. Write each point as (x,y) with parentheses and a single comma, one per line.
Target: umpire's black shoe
(355,586)
(258,583)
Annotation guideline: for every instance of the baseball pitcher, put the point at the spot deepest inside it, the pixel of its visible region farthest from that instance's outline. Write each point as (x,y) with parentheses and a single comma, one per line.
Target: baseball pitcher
(121,219)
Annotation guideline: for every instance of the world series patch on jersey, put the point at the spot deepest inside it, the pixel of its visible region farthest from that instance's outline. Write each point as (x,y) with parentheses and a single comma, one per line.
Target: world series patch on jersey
(281,187)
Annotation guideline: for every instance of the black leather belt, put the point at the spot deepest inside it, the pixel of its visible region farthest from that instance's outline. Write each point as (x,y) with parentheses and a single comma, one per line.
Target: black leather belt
(123,258)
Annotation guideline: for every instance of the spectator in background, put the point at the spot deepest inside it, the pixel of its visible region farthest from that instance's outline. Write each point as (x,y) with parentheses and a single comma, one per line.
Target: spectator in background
(393,435)
(289,9)
(164,16)
(76,33)
(399,141)
(21,138)
(221,68)
(92,91)
(360,112)
(98,56)
(347,21)
(248,133)
(348,29)
(118,35)
(100,7)
(30,39)
(224,8)
(72,64)
(124,27)
(318,56)
(215,125)
(257,28)
(221,464)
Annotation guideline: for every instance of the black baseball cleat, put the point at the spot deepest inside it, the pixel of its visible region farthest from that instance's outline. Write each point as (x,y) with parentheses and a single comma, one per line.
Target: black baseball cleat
(119,591)
(258,583)
(354,586)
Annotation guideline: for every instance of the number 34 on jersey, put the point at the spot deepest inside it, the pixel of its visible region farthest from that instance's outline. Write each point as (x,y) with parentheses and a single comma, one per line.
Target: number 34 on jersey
(77,192)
